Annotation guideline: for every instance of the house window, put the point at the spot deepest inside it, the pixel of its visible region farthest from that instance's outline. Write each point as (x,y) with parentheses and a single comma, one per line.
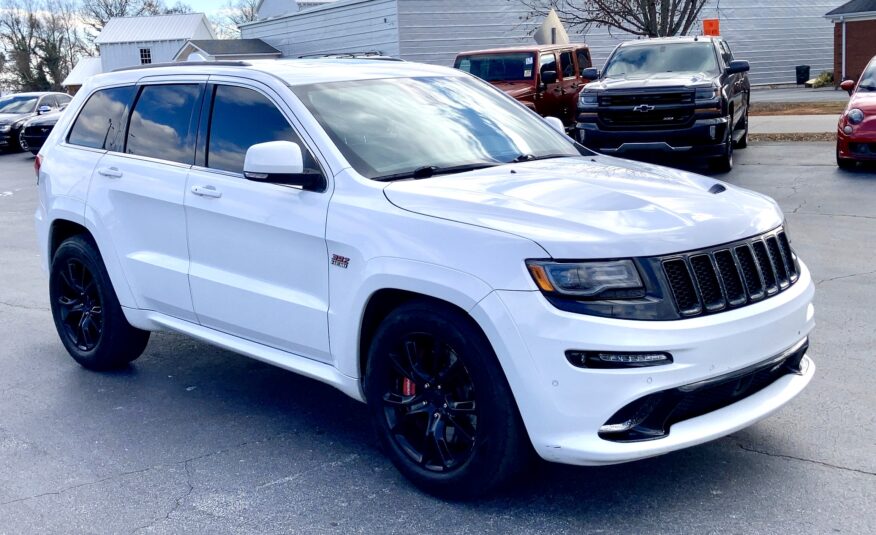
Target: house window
(145,56)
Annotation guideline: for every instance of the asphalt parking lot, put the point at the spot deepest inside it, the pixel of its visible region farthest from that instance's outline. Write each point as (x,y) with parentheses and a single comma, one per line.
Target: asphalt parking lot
(195,439)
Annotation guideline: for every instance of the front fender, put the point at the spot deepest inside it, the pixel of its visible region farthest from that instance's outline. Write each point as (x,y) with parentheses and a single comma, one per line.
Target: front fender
(346,311)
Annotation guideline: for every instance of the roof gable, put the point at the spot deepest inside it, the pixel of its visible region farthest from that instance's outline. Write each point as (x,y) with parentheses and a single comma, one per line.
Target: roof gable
(155,28)
(854,7)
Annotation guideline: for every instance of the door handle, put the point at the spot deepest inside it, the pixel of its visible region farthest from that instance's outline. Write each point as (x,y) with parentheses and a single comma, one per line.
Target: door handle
(206,191)
(112,172)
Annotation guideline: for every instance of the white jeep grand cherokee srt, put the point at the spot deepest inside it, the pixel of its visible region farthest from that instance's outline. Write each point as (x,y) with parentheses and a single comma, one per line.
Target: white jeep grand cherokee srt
(415,238)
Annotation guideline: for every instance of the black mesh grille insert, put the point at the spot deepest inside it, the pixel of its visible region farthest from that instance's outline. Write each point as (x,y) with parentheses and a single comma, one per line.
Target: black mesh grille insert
(682,287)
(766,268)
(730,275)
(707,280)
(710,280)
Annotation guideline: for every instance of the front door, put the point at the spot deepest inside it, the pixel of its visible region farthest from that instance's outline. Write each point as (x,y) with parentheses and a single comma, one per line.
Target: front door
(570,86)
(549,102)
(259,263)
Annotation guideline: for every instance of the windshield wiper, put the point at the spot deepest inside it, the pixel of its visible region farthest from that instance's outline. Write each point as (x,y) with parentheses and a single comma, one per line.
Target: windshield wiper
(428,171)
(532,157)
(867,87)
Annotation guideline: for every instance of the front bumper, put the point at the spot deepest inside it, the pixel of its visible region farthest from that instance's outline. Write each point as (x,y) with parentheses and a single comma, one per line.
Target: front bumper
(704,138)
(563,407)
(860,145)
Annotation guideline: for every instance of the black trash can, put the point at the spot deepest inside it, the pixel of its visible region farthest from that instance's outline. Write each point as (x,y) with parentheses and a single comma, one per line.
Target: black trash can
(802,74)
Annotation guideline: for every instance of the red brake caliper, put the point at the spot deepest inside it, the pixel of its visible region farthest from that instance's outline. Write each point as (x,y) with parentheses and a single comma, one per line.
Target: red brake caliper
(409,388)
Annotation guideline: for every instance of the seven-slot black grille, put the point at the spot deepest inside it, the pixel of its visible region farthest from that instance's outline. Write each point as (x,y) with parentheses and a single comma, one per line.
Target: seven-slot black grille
(731,275)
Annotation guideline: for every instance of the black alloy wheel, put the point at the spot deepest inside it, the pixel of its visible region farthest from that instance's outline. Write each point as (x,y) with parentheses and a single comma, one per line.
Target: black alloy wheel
(80,305)
(430,406)
(441,404)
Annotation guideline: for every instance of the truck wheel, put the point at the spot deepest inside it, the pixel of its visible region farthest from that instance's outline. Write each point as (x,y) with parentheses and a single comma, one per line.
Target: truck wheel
(440,402)
(724,163)
(87,313)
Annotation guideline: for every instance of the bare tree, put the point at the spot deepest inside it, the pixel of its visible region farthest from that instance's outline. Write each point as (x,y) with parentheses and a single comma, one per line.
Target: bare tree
(232,15)
(650,18)
(41,42)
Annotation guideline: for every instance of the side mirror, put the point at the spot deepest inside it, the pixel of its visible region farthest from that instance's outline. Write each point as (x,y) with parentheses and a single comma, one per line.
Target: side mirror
(556,124)
(848,86)
(590,74)
(548,77)
(280,162)
(737,66)
(43,109)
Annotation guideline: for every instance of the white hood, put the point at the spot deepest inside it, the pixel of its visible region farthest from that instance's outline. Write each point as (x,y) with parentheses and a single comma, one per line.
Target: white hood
(593,207)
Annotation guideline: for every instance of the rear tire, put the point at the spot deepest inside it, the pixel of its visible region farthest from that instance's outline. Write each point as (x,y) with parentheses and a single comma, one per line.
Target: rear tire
(87,314)
(440,403)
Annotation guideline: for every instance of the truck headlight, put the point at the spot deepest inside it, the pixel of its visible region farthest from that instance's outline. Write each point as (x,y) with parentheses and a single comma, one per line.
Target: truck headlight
(5,127)
(855,116)
(706,93)
(588,98)
(612,279)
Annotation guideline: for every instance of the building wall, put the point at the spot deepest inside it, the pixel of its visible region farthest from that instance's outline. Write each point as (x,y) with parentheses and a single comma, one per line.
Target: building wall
(351,26)
(774,35)
(118,55)
(860,48)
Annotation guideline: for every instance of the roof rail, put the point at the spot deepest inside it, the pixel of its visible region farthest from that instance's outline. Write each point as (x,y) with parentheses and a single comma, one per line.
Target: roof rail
(186,64)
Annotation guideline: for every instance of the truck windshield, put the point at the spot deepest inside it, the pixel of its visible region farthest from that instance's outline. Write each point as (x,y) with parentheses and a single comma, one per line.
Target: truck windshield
(645,60)
(505,67)
(18,104)
(393,127)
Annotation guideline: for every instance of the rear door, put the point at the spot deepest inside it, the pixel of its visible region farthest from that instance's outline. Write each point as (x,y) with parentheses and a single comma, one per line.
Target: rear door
(137,193)
(259,263)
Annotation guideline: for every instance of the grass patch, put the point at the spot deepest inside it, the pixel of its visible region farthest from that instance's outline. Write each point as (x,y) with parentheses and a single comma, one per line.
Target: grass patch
(797,108)
(795,137)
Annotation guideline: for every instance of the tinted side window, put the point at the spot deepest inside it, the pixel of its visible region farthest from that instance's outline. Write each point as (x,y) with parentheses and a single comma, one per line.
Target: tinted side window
(161,123)
(242,118)
(584,61)
(568,65)
(63,100)
(100,124)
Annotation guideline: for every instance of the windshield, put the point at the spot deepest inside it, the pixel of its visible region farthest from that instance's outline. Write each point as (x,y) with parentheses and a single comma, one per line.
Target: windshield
(506,67)
(644,60)
(18,104)
(868,79)
(397,126)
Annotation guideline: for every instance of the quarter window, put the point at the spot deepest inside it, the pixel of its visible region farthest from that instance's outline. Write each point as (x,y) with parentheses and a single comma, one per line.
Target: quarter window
(101,123)
(161,123)
(584,61)
(547,62)
(242,118)
(145,56)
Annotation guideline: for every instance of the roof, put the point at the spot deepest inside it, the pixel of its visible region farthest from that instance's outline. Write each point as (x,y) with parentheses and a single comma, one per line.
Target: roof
(155,28)
(290,71)
(854,10)
(522,48)
(85,68)
(667,40)
(234,47)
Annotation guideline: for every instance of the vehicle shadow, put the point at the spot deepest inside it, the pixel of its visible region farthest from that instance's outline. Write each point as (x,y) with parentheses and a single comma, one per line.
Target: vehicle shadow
(189,396)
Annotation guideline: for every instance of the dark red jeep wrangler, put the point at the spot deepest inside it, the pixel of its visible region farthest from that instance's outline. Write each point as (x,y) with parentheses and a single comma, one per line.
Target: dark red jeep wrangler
(546,78)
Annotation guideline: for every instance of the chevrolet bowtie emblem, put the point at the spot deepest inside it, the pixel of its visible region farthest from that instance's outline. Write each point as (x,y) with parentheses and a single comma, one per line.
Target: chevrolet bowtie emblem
(644,108)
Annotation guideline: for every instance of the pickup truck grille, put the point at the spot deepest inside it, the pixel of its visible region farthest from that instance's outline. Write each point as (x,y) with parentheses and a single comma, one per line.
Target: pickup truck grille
(733,275)
(637,111)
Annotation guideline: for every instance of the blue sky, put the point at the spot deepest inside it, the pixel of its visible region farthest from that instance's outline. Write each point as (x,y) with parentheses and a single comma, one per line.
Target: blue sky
(204,6)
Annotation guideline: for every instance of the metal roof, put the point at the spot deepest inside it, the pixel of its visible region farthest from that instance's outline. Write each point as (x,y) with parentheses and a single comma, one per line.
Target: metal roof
(233,47)
(855,7)
(85,68)
(155,28)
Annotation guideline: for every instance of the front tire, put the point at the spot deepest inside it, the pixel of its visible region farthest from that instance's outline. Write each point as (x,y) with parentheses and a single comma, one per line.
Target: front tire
(440,403)
(87,314)
(724,163)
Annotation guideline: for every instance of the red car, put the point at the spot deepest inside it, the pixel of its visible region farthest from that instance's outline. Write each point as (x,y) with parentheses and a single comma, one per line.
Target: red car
(856,132)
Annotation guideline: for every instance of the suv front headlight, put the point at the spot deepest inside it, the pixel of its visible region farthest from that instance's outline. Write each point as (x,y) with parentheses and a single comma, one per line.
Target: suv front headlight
(706,93)
(611,279)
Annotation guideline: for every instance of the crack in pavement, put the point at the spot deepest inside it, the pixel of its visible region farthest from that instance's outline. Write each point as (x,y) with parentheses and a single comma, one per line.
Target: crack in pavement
(803,459)
(23,307)
(822,281)
(78,486)
(838,215)
(177,503)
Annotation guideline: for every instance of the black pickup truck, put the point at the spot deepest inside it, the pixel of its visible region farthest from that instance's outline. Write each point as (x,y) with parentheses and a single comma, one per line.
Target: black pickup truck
(678,96)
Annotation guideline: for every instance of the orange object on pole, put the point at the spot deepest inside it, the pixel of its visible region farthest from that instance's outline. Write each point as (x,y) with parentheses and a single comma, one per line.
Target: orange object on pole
(711,27)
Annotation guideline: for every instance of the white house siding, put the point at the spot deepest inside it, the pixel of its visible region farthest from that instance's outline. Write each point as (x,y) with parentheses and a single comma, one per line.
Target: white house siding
(347,26)
(117,55)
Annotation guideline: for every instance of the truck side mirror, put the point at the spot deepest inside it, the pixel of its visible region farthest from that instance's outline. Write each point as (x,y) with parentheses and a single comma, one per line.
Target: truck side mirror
(548,77)
(737,66)
(590,74)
